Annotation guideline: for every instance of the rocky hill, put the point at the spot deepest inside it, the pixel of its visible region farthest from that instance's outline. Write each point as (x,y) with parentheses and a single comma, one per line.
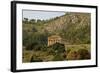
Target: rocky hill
(71,26)
(74,28)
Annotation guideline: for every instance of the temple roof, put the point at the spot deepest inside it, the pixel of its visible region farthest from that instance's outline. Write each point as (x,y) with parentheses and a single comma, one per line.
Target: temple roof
(54,37)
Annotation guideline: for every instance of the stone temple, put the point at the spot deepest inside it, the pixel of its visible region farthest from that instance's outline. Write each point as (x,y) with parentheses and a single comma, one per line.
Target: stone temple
(54,39)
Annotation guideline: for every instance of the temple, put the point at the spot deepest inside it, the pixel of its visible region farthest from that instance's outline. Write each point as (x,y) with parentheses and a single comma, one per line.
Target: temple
(54,39)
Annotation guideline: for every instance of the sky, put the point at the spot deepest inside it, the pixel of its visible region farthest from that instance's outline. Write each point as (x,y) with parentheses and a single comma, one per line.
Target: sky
(42,15)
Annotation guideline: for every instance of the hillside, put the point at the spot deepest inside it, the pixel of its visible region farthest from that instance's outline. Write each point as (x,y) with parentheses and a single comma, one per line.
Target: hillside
(71,27)
(74,28)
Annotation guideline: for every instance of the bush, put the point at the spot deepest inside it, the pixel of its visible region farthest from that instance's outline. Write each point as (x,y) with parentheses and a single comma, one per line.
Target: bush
(34,59)
(58,48)
(68,50)
(58,57)
(43,47)
(32,46)
(83,54)
(72,55)
(51,51)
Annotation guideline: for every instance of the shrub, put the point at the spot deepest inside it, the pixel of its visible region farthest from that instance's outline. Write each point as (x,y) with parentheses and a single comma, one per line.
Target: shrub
(83,54)
(43,47)
(58,47)
(72,55)
(34,59)
(58,57)
(51,51)
(68,50)
(31,46)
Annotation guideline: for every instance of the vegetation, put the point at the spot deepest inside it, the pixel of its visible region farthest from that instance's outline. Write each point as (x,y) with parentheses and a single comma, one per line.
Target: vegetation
(81,54)
(74,29)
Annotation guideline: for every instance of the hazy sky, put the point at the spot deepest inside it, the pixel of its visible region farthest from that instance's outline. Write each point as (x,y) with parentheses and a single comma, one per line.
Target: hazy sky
(43,15)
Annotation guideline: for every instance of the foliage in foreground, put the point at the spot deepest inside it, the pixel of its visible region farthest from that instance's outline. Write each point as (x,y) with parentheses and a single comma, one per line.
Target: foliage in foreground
(81,54)
(57,52)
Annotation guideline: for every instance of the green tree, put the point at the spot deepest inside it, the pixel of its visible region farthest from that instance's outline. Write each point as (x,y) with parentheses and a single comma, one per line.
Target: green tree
(25,20)
(32,21)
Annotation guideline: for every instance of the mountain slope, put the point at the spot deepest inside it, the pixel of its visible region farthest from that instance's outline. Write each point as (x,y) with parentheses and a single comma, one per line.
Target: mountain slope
(74,28)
